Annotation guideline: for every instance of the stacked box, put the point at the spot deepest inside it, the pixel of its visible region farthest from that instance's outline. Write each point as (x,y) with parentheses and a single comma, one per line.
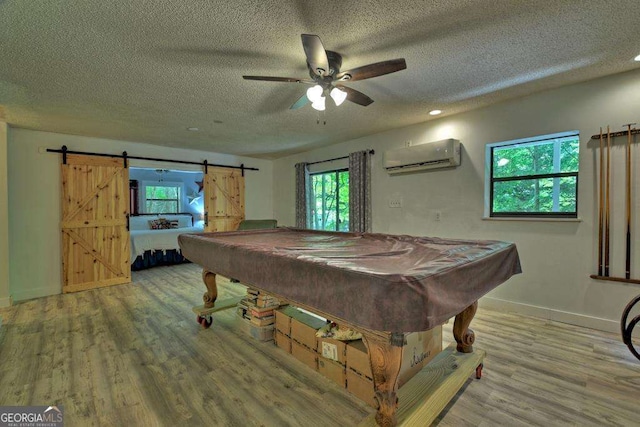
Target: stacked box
(258,309)
(283,327)
(304,354)
(361,387)
(282,341)
(358,358)
(332,349)
(420,348)
(304,327)
(335,371)
(296,334)
(303,337)
(346,363)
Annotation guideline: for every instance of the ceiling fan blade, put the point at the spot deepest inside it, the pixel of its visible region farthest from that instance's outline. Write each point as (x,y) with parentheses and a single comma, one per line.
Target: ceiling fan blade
(300,102)
(356,97)
(316,55)
(373,70)
(280,79)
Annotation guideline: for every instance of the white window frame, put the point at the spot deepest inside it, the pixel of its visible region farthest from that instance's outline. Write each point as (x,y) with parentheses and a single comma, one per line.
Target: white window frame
(143,194)
(323,172)
(556,163)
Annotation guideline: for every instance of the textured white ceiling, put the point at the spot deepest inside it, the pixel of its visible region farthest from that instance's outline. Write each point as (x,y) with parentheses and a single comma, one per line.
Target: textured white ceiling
(146,70)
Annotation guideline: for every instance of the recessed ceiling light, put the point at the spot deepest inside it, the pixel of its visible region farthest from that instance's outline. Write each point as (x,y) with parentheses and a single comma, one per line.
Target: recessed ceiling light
(193,129)
(637,58)
(435,112)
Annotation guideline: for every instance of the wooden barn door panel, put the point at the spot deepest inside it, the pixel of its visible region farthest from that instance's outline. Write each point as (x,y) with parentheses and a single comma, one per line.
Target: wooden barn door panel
(95,239)
(224,199)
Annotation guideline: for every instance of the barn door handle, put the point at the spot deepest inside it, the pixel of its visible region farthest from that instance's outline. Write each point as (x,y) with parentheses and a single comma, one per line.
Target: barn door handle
(206,219)
(128,217)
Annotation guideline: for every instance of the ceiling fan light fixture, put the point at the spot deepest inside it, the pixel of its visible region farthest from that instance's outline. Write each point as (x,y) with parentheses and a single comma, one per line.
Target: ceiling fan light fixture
(338,95)
(314,93)
(319,104)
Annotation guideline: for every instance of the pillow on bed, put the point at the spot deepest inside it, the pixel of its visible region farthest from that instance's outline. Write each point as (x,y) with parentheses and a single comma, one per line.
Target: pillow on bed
(162,224)
(183,220)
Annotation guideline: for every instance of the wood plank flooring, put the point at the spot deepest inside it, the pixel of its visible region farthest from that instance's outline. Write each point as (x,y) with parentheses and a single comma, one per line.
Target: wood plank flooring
(133,355)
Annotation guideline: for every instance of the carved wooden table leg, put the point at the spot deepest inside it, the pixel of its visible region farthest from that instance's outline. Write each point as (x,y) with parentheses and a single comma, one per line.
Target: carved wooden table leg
(461,332)
(385,356)
(211,295)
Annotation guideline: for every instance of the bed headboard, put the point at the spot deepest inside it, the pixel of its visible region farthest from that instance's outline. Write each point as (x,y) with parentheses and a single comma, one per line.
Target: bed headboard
(140,221)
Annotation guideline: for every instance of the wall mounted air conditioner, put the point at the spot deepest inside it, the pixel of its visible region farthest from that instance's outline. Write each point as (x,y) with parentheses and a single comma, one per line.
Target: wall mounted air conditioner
(431,155)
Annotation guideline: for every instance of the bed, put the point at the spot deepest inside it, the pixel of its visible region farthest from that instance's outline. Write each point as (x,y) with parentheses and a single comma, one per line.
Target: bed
(152,247)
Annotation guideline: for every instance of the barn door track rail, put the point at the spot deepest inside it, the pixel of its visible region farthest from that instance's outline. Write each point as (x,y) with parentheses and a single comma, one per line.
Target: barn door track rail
(125,157)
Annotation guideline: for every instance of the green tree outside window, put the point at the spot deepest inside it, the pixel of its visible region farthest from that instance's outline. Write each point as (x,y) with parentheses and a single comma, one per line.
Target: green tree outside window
(538,177)
(330,201)
(162,199)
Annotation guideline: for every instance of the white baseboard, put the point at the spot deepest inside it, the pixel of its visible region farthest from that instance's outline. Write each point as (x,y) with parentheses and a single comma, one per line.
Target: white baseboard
(5,302)
(551,314)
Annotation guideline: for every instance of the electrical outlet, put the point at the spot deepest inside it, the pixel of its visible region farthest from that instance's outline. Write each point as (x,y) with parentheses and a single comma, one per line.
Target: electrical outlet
(395,203)
(437,215)
(407,143)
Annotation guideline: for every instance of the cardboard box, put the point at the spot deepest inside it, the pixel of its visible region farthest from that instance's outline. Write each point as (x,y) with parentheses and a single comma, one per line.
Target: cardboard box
(304,327)
(283,319)
(305,355)
(358,358)
(283,341)
(261,333)
(419,349)
(332,349)
(361,387)
(333,370)
(263,321)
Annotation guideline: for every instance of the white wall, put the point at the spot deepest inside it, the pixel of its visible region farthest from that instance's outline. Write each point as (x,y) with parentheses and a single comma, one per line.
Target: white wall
(557,257)
(4,220)
(34,199)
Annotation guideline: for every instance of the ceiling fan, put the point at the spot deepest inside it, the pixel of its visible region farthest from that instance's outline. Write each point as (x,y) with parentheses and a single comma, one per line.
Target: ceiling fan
(326,77)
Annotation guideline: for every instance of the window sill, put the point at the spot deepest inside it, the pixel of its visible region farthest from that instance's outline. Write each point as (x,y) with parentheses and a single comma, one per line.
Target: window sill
(488,218)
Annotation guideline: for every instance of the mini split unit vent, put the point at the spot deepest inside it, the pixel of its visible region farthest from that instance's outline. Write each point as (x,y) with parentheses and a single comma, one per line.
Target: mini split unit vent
(432,155)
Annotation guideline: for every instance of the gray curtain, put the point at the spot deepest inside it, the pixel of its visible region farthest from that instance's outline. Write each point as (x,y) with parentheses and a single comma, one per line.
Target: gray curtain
(302,195)
(360,191)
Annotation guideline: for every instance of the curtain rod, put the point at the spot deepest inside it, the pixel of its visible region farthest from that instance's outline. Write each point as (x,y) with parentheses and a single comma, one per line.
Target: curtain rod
(336,158)
(125,156)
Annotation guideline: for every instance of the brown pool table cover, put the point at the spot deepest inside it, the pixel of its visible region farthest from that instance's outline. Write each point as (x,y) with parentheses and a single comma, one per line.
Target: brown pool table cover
(377,281)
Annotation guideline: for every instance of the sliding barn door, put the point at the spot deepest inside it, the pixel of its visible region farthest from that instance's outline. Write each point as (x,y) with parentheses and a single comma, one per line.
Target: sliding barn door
(95,239)
(224,199)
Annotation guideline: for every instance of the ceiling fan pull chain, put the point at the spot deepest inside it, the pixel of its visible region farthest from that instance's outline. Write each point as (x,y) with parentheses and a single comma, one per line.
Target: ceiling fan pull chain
(324,121)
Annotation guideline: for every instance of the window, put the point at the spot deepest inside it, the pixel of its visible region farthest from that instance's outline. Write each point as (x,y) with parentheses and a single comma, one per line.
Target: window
(162,198)
(534,177)
(330,200)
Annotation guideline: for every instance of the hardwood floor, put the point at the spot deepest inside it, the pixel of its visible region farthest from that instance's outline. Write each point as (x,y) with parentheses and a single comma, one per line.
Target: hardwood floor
(134,355)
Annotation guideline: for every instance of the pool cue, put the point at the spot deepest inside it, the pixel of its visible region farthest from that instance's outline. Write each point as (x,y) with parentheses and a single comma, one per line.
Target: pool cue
(627,270)
(607,209)
(600,204)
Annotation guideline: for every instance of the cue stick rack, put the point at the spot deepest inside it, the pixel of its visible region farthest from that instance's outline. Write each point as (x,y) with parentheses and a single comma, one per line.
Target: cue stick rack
(604,216)
(604,184)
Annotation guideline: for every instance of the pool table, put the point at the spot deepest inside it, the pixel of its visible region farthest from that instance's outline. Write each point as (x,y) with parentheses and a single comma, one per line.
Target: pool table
(381,285)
